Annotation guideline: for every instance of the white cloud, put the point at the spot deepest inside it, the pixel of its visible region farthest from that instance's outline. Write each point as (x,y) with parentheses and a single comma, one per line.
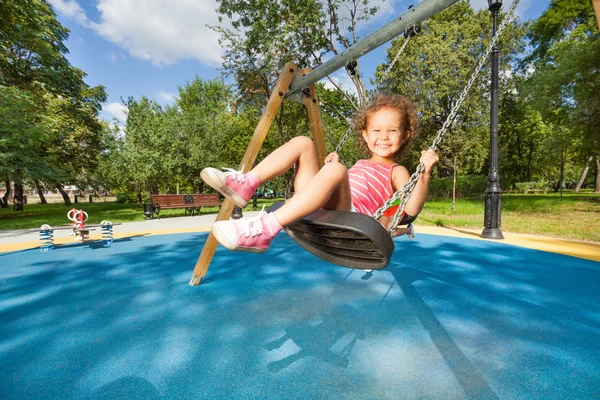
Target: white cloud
(112,57)
(343,80)
(72,10)
(117,110)
(160,31)
(119,128)
(167,97)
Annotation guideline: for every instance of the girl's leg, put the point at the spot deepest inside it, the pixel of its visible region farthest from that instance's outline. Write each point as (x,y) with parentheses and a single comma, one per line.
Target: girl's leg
(240,188)
(328,189)
(300,151)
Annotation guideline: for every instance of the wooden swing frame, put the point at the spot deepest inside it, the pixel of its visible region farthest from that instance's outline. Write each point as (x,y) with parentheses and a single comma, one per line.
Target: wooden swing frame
(276,98)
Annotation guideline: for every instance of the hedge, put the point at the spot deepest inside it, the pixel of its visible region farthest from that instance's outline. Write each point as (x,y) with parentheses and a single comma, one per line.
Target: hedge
(466,186)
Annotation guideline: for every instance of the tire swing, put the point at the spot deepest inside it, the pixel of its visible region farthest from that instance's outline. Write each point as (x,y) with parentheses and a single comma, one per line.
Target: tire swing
(355,240)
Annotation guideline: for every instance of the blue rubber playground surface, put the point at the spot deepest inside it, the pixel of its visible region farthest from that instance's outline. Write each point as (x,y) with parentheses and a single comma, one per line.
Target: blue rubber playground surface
(450,318)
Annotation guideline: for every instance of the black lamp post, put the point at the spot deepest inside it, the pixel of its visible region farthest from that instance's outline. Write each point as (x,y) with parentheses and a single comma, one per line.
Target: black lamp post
(493,193)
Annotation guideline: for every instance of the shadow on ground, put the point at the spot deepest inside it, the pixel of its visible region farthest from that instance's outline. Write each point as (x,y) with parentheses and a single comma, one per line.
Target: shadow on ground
(453,318)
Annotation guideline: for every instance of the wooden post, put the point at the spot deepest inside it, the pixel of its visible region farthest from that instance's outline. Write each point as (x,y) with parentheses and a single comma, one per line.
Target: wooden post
(314,117)
(264,124)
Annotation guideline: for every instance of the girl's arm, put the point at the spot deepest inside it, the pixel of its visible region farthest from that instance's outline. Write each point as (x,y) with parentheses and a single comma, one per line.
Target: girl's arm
(419,194)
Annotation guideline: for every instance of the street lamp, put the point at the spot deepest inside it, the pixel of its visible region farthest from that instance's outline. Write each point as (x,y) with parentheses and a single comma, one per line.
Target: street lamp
(493,193)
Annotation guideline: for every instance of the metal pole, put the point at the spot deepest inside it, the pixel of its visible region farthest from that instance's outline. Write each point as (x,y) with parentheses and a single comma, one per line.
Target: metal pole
(493,193)
(411,17)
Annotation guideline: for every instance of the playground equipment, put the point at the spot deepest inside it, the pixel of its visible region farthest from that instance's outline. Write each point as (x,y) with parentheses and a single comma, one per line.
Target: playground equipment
(298,85)
(81,232)
(78,223)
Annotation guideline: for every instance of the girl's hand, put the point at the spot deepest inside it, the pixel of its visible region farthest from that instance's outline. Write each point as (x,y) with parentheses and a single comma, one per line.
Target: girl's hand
(429,158)
(332,157)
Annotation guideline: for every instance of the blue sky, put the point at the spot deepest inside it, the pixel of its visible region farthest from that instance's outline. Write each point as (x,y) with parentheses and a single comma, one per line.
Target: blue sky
(149,47)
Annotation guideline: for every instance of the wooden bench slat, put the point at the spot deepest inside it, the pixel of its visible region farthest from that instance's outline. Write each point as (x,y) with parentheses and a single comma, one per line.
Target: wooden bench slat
(189,202)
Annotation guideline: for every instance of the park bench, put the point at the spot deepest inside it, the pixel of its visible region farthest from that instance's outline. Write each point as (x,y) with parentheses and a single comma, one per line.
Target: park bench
(189,202)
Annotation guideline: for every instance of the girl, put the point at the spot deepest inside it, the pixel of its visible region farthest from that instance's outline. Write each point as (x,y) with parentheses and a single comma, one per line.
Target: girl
(386,125)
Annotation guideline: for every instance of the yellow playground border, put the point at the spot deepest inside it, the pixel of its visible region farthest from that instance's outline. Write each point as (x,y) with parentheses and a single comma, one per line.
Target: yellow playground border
(585,250)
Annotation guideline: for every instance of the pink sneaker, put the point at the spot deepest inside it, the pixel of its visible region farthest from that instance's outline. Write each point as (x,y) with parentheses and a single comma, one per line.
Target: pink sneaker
(232,184)
(247,234)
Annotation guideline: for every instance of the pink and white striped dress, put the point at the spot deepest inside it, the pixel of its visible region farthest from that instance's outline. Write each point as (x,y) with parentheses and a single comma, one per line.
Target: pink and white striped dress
(371,185)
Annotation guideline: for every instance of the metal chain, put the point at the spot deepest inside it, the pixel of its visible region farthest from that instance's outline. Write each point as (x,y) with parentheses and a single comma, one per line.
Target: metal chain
(332,139)
(350,129)
(406,190)
(383,81)
(339,152)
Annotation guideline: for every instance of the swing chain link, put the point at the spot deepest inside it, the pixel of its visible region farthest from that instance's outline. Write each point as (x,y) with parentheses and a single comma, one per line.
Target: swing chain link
(406,190)
(384,79)
(383,83)
(350,129)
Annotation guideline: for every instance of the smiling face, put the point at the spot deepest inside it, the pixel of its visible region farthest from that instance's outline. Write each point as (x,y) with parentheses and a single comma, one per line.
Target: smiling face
(384,134)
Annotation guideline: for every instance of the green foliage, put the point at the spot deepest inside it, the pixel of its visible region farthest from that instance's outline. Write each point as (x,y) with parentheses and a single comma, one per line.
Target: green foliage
(32,49)
(525,186)
(126,197)
(23,134)
(522,136)
(60,138)
(165,148)
(433,71)
(565,83)
(267,34)
(336,114)
(466,186)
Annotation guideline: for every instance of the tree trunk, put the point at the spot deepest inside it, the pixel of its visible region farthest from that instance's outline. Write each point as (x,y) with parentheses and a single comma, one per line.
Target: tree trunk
(139,199)
(454,186)
(597,185)
(561,178)
(6,197)
(40,191)
(18,199)
(530,161)
(520,158)
(584,173)
(64,194)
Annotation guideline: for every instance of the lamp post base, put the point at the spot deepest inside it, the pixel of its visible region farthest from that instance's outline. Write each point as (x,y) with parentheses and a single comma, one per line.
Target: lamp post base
(492,233)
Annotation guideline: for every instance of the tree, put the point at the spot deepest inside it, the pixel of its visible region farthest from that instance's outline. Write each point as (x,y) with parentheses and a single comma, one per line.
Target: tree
(22,134)
(521,138)
(76,138)
(32,59)
(203,122)
(433,71)
(565,83)
(266,35)
(147,148)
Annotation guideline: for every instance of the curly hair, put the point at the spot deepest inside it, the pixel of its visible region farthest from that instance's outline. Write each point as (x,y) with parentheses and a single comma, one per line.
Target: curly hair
(398,102)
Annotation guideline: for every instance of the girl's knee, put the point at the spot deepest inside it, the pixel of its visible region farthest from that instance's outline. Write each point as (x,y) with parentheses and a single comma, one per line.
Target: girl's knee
(303,142)
(336,169)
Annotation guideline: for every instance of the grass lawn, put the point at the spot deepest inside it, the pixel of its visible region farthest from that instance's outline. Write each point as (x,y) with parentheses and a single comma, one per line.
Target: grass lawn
(35,215)
(570,216)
